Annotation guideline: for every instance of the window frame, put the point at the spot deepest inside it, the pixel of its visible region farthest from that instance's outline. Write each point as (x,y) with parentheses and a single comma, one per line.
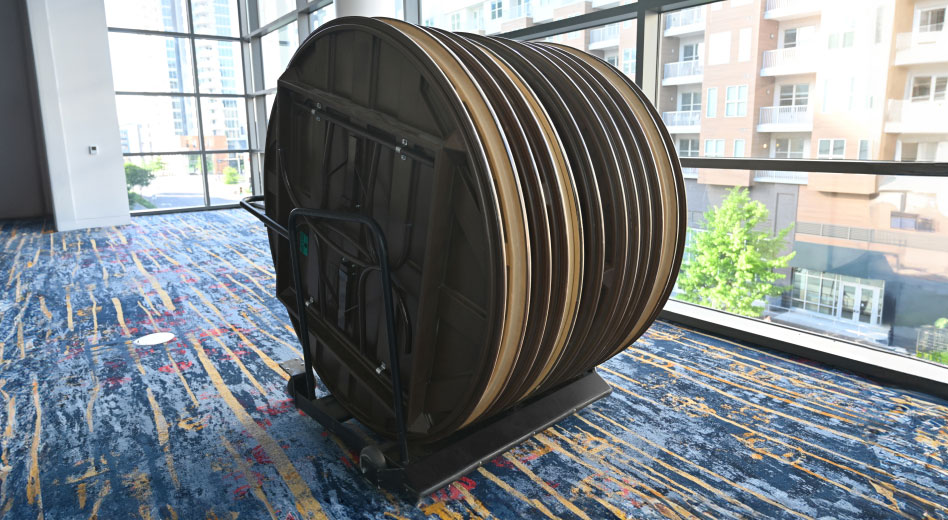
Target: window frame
(646,15)
(831,143)
(740,103)
(927,27)
(203,152)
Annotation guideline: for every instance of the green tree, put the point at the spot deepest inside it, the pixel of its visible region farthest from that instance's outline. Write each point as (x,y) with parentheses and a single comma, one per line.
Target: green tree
(730,264)
(231,176)
(139,177)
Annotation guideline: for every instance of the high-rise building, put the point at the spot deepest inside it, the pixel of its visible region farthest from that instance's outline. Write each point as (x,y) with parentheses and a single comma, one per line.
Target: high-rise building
(795,79)
(799,79)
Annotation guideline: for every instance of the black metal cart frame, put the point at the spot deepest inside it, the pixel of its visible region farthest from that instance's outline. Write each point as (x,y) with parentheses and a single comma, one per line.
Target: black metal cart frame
(413,471)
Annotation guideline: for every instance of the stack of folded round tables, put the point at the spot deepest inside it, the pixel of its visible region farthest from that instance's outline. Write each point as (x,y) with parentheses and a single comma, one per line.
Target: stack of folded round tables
(531,200)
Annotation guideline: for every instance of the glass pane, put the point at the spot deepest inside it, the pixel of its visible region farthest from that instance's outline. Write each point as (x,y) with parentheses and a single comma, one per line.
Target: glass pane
(164,181)
(782,70)
(150,124)
(321,16)
(220,68)
(497,16)
(849,302)
(269,10)
(866,304)
(228,177)
(269,102)
(217,17)
(278,47)
(225,123)
(856,275)
(153,15)
(142,63)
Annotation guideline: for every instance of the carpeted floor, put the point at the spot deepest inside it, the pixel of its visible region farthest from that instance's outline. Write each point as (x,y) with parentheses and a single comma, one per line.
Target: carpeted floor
(201,428)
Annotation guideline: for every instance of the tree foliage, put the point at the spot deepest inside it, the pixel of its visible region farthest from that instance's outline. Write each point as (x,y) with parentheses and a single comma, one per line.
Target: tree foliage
(231,176)
(138,177)
(731,265)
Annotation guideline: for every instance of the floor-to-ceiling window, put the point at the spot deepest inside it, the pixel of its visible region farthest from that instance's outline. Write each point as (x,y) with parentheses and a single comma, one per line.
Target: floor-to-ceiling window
(178,71)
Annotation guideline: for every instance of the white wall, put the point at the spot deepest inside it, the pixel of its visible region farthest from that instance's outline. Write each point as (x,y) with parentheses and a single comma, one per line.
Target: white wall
(77,102)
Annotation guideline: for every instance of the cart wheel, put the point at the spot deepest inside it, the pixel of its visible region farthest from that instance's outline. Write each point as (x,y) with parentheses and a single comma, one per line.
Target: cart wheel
(291,388)
(371,457)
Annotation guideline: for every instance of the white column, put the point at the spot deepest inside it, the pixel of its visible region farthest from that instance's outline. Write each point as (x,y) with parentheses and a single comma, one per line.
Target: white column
(77,105)
(365,8)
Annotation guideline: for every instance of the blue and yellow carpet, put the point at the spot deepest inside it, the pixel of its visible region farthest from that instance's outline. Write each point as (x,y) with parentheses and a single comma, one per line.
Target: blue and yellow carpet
(697,427)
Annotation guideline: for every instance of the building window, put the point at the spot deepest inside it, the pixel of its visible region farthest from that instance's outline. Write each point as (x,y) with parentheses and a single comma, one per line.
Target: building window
(836,296)
(832,149)
(720,48)
(429,22)
(714,147)
(864,150)
(687,147)
(738,148)
(841,40)
(735,104)
(744,44)
(712,110)
(496,9)
(788,148)
(456,21)
(689,101)
(922,88)
(690,52)
(794,95)
(789,38)
(628,62)
(910,221)
(931,20)
(613,60)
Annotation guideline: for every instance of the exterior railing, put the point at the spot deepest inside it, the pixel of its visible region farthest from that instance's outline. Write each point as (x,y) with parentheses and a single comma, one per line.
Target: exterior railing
(781,177)
(789,56)
(786,115)
(682,118)
(915,240)
(791,6)
(604,33)
(922,112)
(684,18)
(678,69)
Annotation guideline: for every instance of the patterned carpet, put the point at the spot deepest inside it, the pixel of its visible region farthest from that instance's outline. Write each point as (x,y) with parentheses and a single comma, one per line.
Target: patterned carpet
(92,426)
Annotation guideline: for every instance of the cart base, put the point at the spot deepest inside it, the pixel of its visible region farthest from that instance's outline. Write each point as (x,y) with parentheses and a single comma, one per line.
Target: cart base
(435,466)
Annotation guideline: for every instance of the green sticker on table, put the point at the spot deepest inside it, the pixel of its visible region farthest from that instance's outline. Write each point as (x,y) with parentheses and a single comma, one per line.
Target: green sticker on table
(304,243)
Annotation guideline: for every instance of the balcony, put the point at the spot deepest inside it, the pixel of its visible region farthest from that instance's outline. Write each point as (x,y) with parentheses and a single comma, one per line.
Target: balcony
(921,47)
(793,60)
(683,122)
(604,37)
(685,22)
(794,118)
(790,9)
(780,177)
(683,73)
(916,117)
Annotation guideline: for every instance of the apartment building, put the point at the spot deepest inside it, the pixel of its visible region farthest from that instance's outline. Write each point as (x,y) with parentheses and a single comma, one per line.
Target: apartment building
(796,79)
(829,80)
